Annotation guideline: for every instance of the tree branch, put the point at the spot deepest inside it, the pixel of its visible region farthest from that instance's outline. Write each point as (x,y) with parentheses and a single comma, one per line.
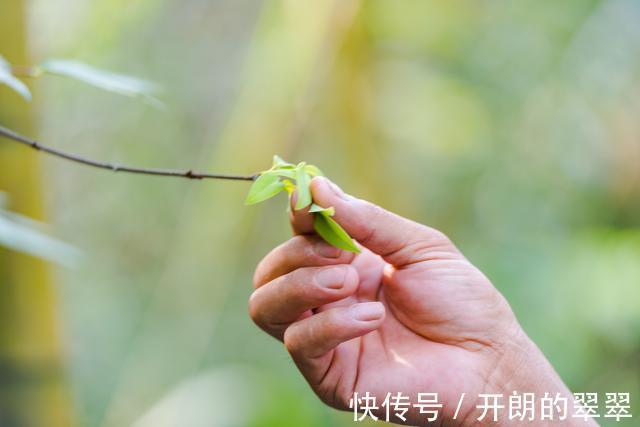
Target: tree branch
(25,71)
(189,174)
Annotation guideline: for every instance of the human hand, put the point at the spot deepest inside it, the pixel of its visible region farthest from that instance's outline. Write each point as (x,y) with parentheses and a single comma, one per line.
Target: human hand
(408,314)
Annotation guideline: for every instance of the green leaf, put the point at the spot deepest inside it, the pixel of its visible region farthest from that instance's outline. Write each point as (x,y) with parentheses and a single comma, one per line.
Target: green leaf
(302,184)
(22,234)
(105,80)
(313,170)
(286,173)
(7,78)
(288,186)
(279,163)
(333,233)
(330,211)
(263,188)
(288,177)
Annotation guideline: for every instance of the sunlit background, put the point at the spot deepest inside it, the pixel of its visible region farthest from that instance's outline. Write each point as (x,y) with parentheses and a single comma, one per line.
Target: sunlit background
(512,126)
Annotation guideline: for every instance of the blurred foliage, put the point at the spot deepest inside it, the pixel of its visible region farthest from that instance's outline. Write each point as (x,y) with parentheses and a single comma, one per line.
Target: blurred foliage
(510,126)
(105,80)
(23,234)
(8,79)
(31,362)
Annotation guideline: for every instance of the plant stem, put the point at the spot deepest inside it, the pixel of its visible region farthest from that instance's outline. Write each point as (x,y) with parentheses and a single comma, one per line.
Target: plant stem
(189,174)
(26,71)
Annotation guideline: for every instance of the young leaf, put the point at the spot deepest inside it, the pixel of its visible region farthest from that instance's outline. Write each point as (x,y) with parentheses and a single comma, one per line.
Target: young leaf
(333,233)
(288,177)
(7,78)
(279,163)
(313,170)
(289,186)
(263,188)
(302,185)
(105,80)
(286,173)
(330,211)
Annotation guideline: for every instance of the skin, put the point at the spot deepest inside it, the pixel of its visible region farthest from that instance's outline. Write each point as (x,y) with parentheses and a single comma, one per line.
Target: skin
(408,314)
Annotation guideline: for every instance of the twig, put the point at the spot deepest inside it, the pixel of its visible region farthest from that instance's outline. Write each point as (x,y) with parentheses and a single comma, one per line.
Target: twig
(189,174)
(26,71)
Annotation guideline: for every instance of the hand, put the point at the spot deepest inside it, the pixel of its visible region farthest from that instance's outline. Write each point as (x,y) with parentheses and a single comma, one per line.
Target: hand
(408,314)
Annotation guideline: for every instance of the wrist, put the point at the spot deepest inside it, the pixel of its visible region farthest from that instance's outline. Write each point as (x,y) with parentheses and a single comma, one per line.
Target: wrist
(523,368)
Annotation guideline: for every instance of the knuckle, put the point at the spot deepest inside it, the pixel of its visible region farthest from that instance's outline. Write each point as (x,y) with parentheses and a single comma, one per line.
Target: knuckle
(256,277)
(277,257)
(290,340)
(260,271)
(294,279)
(254,309)
(300,287)
(305,249)
(296,275)
(375,215)
(434,239)
(303,246)
(297,241)
(437,236)
(333,319)
(254,313)
(300,280)
(373,211)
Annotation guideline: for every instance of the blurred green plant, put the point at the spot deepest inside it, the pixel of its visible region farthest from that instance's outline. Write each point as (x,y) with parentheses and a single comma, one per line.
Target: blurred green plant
(7,78)
(108,81)
(24,234)
(284,176)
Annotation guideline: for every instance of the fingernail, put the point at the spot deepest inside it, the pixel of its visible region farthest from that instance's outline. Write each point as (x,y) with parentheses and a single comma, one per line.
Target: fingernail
(367,311)
(332,278)
(324,249)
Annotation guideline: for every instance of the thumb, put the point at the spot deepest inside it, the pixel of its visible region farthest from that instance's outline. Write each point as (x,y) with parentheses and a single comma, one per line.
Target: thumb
(398,240)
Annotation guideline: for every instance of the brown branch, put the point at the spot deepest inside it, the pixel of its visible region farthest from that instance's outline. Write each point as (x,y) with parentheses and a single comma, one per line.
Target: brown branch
(8,133)
(26,71)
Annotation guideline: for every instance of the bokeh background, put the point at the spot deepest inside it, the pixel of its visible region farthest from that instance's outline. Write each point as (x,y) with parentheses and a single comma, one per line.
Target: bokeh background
(512,126)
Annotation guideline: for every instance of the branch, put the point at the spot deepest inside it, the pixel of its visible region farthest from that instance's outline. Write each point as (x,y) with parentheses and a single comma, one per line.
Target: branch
(189,174)
(26,71)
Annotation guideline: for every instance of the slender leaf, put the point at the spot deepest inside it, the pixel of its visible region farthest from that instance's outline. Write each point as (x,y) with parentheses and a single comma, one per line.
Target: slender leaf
(279,163)
(25,235)
(287,173)
(333,233)
(302,185)
(105,80)
(7,78)
(313,170)
(330,211)
(263,188)
(285,176)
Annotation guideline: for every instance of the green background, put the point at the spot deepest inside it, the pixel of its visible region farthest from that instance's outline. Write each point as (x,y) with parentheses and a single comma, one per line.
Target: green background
(511,126)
